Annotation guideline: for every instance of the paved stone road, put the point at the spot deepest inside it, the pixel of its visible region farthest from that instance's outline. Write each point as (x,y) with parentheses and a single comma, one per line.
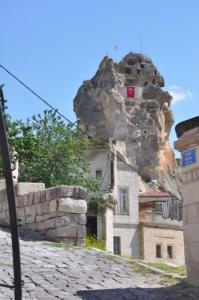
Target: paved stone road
(52,273)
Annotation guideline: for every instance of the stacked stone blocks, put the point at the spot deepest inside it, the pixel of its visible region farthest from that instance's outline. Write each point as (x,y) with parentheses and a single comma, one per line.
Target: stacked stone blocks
(59,213)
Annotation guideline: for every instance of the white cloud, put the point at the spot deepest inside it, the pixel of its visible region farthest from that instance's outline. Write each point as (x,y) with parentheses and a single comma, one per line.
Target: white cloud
(179,94)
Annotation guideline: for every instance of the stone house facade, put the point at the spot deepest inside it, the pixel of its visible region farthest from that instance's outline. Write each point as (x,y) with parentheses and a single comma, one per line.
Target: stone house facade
(117,224)
(132,224)
(161,239)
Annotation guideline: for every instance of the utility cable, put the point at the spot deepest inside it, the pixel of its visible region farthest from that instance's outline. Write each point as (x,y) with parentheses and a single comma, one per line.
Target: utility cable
(74,124)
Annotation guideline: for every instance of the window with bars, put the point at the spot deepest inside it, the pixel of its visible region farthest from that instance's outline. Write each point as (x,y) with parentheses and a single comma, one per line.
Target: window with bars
(117,245)
(98,174)
(158,209)
(158,251)
(123,199)
(170,251)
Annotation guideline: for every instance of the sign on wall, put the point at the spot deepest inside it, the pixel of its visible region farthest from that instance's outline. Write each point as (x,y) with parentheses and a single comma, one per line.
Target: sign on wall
(188,157)
(130,92)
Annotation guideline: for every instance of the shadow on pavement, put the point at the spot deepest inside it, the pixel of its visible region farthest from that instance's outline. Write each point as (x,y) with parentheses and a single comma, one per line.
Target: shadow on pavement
(180,291)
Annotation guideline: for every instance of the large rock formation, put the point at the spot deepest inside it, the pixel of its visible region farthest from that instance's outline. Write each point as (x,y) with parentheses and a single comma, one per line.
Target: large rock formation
(125,102)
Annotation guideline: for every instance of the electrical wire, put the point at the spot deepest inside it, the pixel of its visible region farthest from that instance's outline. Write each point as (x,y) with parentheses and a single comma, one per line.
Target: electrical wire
(74,124)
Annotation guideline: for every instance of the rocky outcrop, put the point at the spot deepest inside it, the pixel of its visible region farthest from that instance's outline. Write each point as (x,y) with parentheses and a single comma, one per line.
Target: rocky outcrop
(141,120)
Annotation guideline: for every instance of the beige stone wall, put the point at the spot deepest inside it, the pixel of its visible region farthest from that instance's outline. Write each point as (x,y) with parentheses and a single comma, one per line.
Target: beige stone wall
(58,213)
(191,219)
(151,236)
(190,176)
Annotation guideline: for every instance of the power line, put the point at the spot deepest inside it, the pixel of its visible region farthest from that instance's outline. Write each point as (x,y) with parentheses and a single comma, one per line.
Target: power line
(37,95)
(74,124)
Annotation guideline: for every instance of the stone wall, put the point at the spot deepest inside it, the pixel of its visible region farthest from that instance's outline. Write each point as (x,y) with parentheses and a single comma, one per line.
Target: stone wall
(151,236)
(188,145)
(58,213)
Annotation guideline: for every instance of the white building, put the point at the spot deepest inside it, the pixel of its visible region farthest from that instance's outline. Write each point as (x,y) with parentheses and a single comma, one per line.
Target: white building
(118,223)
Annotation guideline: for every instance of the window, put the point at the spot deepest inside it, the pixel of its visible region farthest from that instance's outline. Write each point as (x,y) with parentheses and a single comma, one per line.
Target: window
(98,174)
(170,251)
(158,207)
(123,199)
(117,245)
(159,251)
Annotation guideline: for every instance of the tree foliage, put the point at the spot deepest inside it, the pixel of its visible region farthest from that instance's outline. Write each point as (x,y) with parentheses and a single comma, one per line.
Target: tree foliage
(50,151)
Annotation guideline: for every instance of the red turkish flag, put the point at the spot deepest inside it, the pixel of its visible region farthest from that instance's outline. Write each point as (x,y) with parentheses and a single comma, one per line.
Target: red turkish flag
(130,92)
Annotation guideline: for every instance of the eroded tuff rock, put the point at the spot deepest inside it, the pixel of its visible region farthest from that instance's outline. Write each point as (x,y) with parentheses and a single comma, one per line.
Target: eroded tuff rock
(142,122)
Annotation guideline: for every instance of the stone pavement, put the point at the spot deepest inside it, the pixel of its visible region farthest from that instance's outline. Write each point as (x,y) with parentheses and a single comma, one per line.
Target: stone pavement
(52,273)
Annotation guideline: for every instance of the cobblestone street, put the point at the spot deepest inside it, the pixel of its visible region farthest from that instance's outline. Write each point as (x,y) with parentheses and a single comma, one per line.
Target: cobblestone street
(53,273)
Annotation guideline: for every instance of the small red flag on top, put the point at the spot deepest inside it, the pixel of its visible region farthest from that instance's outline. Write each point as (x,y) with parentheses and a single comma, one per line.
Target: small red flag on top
(130,92)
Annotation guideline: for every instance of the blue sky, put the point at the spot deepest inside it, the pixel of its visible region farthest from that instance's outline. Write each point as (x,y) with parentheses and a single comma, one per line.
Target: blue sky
(54,45)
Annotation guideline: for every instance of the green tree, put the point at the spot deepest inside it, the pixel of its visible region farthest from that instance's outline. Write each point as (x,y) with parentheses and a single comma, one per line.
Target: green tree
(50,151)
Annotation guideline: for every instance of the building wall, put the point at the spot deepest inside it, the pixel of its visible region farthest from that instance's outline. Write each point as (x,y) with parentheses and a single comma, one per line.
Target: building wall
(129,237)
(126,226)
(152,236)
(99,160)
(190,176)
(191,219)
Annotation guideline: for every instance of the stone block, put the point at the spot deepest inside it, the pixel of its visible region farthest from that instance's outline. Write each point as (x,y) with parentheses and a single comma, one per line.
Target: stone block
(5,206)
(45,207)
(72,206)
(39,209)
(48,194)
(62,221)
(25,199)
(36,197)
(40,218)
(21,213)
(40,226)
(67,241)
(30,198)
(2,184)
(82,193)
(33,210)
(20,202)
(53,205)
(32,226)
(30,219)
(81,219)
(43,196)
(67,231)
(27,187)
(81,231)
(49,223)
(59,192)
(51,233)
(76,192)
(27,211)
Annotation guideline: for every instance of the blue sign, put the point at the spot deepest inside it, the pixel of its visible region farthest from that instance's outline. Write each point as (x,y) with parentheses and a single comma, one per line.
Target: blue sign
(189,157)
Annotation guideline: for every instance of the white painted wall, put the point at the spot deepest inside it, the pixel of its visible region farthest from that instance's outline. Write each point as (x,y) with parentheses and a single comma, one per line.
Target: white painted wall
(99,160)
(126,226)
